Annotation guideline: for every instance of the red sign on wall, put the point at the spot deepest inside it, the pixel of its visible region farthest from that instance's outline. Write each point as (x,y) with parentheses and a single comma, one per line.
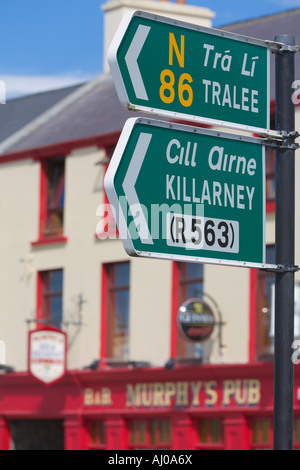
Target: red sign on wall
(47,352)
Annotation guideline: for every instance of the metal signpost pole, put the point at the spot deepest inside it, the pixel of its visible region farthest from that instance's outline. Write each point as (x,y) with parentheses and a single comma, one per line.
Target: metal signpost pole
(284,241)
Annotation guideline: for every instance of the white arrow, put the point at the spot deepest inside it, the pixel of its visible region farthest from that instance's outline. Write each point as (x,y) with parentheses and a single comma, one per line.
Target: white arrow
(129,187)
(131,61)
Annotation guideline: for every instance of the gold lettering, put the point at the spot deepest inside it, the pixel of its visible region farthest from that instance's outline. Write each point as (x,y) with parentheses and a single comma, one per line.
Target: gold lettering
(182,393)
(195,387)
(170,392)
(88,397)
(254,392)
(106,396)
(241,397)
(146,395)
(173,45)
(158,399)
(133,395)
(97,398)
(228,391)
(211,392)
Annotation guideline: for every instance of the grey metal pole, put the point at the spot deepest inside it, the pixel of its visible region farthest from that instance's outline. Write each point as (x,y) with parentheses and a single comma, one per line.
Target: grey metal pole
(284,248)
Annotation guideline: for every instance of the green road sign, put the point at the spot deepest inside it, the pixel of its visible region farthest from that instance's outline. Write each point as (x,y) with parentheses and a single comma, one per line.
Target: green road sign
(186,193)
(185,71)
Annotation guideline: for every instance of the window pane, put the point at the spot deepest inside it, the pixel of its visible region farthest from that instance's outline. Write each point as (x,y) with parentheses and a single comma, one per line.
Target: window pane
(153,431)
(97,433)
(102,432)
(194,289)
(132,432)
(191,280)
(215,430)
(194,271)
(52,296)
(118,310)
(265,431)
(168,440)
(297,431)
(55,196)
(120,335)
(56,278)
(122,274)
(149,433)
(191,285)
(142,432)
(56,184)
(122,309)
(54,220)
(93,432)
(203,431)
(255,431)
(55,314)
(162,431)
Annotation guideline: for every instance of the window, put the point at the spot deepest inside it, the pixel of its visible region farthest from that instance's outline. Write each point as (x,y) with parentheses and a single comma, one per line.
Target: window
(116,277)
(149,434)
(190,285)
(265,294)
(261,434)
(210,433)
(263,311)
(52,198)
(96,432)
(50,297)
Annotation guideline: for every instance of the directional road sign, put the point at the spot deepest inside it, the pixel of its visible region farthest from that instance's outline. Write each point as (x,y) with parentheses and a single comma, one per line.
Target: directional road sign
(185,71)
(187,193)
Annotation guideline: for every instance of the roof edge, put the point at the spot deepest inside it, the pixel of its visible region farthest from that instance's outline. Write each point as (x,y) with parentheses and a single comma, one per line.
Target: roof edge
(259,18)
(60,148)
(53,111)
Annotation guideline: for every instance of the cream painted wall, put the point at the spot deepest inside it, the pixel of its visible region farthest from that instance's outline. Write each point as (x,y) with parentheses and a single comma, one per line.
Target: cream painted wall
(229,287)
(19,197)
(150,313)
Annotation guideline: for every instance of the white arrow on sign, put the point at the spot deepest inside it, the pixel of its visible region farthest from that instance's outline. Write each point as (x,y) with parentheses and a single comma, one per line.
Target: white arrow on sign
(131,59)
(129,187)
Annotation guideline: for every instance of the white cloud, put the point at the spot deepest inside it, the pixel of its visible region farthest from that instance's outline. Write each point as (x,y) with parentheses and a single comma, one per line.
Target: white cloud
(21,85)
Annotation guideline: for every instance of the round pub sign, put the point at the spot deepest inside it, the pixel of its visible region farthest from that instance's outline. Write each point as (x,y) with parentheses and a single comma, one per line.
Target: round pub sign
(195,320)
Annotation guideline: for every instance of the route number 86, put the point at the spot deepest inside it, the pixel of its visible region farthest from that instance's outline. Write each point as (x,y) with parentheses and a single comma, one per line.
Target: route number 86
(167,91)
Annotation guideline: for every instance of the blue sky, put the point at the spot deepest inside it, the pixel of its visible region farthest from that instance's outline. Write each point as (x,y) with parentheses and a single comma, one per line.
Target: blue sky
(46,44)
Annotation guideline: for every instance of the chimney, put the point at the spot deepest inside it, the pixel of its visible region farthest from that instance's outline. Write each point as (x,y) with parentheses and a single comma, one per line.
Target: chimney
(114,10)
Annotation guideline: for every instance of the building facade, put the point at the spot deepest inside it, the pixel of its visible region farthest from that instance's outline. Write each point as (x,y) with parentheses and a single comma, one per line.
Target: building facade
(132,380)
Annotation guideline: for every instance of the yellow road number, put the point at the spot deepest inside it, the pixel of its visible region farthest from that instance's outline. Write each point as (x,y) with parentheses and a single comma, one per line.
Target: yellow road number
(167,91)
